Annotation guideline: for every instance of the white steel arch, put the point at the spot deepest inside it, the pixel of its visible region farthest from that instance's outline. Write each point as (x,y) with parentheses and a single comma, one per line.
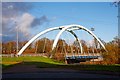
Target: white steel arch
(34,38)
(43,32)
(77,39)
(75,27)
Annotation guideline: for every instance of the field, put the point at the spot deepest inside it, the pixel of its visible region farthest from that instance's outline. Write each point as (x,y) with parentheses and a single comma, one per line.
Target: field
(42,62)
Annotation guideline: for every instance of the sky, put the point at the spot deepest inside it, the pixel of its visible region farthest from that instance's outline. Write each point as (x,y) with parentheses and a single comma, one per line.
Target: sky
(30,18)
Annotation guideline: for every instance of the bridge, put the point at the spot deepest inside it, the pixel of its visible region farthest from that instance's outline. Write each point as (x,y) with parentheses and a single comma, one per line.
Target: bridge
(77,58)
(70,58)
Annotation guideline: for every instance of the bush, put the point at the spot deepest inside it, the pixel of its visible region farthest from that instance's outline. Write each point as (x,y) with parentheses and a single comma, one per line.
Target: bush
(59,57)
(112,56)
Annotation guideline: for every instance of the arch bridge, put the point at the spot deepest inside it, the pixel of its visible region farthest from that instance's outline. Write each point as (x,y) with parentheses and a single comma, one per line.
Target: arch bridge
(69,28)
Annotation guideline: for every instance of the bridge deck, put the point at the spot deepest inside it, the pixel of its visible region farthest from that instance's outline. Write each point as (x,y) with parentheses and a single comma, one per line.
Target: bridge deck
(82,56)
(77,58)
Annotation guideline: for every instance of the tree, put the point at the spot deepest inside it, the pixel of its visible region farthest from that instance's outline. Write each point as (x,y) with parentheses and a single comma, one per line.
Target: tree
(84,45)
(43,45)
(29,49)
(112,56)
(76,47)
(59,52)
(9,47)
(48,45)
(39,46)
(0,47)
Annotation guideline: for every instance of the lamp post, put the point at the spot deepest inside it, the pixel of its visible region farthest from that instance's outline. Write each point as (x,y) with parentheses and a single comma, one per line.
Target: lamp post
(16,38)
(118,4)
(92,29)
(119,21)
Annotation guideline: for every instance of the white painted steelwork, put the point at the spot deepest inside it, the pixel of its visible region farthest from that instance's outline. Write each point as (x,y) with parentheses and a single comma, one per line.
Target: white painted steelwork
(41,33)
(75,26)
(70,28)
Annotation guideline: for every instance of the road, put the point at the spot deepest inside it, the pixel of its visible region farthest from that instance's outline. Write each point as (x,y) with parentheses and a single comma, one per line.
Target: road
(57,74)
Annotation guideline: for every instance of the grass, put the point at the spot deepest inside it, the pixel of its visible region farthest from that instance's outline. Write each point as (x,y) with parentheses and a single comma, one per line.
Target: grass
(91,67)
(42,62)
(29,58)
(10,61)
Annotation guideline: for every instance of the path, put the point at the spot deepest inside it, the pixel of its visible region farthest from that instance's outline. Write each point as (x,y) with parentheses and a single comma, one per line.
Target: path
(31,71)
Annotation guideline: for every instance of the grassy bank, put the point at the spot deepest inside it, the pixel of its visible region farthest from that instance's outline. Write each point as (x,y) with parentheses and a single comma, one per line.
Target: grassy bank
(42,62)
(10,61)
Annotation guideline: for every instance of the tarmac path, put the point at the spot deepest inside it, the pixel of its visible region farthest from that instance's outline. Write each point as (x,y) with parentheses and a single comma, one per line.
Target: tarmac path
(31,71)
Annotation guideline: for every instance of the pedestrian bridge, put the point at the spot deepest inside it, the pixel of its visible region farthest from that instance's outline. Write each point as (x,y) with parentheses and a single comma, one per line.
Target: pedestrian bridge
(82,56)
(77,58)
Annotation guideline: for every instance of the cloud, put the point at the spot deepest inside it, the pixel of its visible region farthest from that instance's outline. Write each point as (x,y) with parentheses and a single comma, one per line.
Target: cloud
(3,35)
(16,15)
(13,9)
(11,12)
(39,21)
(27,21)
(24,23)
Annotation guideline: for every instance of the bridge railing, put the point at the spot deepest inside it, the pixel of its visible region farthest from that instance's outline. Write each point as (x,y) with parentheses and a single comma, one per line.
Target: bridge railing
(83,56)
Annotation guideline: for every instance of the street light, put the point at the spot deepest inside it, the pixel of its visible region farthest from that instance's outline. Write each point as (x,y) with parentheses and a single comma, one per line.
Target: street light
(92,29)
(16,38)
